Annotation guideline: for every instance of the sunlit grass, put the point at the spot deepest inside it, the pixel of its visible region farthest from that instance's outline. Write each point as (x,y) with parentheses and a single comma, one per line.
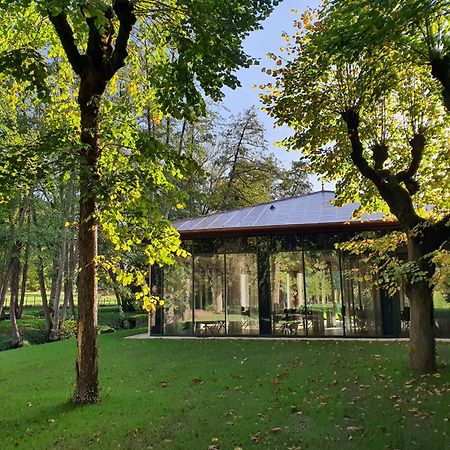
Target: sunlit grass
(191,394)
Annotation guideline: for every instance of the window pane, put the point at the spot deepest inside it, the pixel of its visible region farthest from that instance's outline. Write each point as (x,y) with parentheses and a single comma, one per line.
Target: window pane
(288,294)
(361,300)
(323,293)
(178,297)
(242,294)
(209,298)
(442,311)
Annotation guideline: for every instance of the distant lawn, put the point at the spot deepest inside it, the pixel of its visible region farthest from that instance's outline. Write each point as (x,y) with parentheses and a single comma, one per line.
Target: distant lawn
(175,394)
(32,324)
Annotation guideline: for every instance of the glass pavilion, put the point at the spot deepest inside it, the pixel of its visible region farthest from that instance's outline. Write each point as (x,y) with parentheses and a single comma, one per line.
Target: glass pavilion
(272,269)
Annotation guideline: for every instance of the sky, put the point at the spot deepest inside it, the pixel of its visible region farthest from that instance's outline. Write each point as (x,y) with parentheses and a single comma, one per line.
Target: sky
(257,45)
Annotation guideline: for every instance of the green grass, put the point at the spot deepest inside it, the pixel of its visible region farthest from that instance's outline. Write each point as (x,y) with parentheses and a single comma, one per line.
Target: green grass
(33,298)
(32,325)
(259,394)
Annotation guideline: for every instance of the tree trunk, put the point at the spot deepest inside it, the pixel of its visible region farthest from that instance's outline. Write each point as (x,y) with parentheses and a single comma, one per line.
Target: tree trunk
(87,357)
(23,285)
(116,289)
(41,276)
(91,89)
(422,348)
(4,289)
(13,305)
(54,335)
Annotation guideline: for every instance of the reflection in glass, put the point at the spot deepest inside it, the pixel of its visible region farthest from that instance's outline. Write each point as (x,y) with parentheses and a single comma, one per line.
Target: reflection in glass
(323,293)
(209,296)
(361,300)
(288,294)
(242,294)
(178,297)
(441,298)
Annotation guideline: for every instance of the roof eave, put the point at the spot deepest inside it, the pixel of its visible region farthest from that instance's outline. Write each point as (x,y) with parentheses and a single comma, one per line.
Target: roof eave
(372,225)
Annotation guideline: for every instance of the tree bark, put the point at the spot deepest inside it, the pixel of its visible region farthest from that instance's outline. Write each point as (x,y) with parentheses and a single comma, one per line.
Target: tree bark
(4,289)
(91,89)
(13,304)
(87,346)
(54,334)
(95,68)
(23,285)
(422,348)
(41,276)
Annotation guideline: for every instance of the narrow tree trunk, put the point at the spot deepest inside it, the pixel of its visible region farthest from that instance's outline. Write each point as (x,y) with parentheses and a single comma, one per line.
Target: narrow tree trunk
(68,278)
(23,284)
(13,304)
(41,277)
(4,289)
(54,281)
(54,335)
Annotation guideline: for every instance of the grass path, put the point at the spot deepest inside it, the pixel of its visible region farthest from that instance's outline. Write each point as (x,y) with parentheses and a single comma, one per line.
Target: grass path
(195,394)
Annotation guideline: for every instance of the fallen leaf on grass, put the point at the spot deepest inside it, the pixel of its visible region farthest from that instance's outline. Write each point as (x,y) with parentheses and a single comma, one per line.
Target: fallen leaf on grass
(275,430)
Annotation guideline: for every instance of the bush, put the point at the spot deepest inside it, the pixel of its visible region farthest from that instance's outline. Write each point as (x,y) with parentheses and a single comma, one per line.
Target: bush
(68,329)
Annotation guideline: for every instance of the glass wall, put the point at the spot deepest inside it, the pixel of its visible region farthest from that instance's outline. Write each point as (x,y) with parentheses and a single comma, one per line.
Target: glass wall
(288,293)
(361,300)
(441,299)
(323,293)
(242,294)
(178,297)
(209,294)
(312,292)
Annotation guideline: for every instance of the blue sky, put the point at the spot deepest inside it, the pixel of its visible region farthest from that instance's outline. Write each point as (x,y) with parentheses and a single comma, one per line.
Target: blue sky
(258,44)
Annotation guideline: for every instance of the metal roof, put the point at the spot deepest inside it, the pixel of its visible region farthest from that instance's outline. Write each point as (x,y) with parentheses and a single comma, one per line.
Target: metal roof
(311,211)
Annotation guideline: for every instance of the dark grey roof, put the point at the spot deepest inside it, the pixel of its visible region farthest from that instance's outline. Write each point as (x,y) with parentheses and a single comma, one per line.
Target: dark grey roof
(306,210)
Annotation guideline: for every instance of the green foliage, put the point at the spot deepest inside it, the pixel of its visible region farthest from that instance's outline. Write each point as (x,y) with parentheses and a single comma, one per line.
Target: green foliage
(335,63)
(68,329)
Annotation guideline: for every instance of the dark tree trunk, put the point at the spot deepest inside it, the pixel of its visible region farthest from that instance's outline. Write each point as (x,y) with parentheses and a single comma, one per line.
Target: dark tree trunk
(422,348)
(87,356)
(91,89)
(95,68)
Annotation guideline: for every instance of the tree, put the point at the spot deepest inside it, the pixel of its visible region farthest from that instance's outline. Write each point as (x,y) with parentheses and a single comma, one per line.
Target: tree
(234,166)
(365,88)
(194,48)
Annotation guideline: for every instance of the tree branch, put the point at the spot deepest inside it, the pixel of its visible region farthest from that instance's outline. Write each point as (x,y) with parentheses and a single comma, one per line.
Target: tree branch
(125,13)
(393,193)
(65,34)
(380,155)
(406,176)
(352,120)
(440,70)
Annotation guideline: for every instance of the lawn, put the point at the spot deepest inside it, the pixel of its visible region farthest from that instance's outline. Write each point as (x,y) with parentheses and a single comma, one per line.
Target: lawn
(32,324)
(225,394)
